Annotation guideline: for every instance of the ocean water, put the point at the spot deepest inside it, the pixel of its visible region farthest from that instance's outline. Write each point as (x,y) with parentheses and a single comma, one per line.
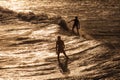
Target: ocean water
(26,45)
(26,48)
(63,8)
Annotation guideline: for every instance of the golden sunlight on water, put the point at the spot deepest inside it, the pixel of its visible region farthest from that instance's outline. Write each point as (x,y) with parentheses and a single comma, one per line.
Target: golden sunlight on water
(28,5)
(12,4)
(27,50)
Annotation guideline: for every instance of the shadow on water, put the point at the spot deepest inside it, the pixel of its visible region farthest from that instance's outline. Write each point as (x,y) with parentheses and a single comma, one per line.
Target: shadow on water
(22,38)
(26,66)
(63,65)
(28,42)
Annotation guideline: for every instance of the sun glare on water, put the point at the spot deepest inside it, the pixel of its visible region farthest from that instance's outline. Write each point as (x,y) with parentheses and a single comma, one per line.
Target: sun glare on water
(29,5)
(16,5)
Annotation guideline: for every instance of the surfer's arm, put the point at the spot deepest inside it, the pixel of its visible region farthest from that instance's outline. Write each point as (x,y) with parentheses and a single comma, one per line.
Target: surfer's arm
(70,21)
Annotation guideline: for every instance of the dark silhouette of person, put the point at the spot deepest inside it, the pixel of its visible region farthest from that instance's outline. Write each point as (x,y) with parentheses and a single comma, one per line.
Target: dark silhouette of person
(60,47)
(76,24)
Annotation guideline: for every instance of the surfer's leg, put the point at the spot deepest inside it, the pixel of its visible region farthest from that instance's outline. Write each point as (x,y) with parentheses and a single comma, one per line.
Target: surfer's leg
(65,54)
(58,56)
(73,28)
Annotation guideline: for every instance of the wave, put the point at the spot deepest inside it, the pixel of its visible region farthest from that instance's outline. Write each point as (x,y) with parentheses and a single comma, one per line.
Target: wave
(6,15)
(30,49)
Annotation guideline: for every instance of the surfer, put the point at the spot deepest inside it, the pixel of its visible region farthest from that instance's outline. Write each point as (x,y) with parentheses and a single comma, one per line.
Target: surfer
(76,24)
(60,47)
